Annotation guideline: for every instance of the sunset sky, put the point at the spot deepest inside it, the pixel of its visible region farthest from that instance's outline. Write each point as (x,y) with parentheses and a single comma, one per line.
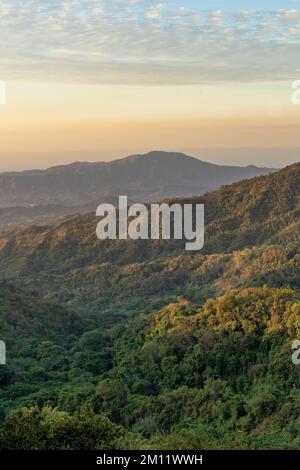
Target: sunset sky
(99,79)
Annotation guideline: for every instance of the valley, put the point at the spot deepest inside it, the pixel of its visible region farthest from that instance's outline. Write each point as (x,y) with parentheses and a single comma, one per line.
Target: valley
(174,349)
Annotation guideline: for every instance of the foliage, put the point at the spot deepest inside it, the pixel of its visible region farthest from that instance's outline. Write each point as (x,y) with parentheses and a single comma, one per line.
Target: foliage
(151,347)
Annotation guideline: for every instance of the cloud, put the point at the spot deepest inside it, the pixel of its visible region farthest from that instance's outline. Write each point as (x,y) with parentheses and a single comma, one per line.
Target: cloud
(288,15)
(144,42)
(154,12)
(218,16)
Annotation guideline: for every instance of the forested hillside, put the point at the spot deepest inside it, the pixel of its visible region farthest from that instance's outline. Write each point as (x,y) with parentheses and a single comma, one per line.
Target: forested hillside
(144,345)
(219,376)
(251,238)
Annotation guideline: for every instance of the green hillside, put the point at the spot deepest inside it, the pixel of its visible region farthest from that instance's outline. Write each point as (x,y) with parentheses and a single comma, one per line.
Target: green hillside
(160,347)
(219,376)
(240,215)
(252,239)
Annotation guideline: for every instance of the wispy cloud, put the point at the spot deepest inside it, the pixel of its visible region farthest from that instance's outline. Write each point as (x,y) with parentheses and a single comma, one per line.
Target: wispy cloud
(144,42)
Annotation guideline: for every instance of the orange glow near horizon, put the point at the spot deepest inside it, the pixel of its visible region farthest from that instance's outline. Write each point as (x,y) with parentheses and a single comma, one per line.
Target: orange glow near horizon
(111,121)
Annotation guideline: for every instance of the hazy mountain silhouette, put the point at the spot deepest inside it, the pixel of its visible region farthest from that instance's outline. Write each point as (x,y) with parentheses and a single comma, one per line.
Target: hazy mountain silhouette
(262,210)
(150,177)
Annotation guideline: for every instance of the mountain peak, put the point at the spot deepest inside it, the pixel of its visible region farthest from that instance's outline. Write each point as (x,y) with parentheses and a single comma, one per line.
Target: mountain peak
(163,153)
(148,177)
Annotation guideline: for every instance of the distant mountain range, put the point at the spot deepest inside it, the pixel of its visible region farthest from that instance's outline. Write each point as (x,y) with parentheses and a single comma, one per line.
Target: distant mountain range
(247,214)
(80,187)
(159,339)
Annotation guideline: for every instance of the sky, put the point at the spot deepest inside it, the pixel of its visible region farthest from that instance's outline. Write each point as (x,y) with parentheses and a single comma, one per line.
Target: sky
(100,79)
(238,4)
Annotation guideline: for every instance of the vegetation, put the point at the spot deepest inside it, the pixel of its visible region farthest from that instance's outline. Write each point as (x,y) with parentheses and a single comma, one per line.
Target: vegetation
(216,376)
(141,345)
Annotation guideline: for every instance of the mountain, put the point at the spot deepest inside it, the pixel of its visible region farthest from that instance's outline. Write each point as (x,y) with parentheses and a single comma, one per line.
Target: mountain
(150,177)
(252,228)
(163,348)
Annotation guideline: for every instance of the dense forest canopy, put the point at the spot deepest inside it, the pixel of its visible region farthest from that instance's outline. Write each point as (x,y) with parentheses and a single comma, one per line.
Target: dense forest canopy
(127,344)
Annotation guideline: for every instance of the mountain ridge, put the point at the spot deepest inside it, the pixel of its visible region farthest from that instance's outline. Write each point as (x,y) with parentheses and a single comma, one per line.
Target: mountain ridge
(143,178)
(152,153)
(232,208)
(181,350)
(248,224)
